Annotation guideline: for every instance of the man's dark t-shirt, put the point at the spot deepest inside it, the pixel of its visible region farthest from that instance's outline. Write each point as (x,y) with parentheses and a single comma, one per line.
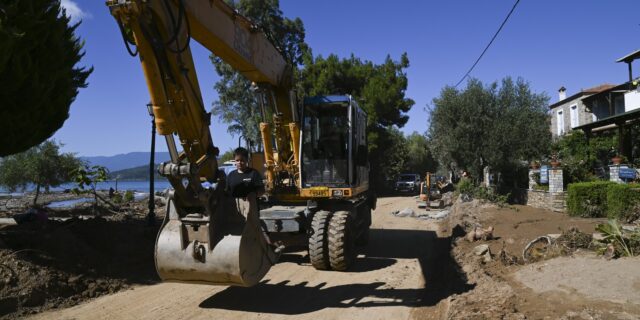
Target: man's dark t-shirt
(239,185)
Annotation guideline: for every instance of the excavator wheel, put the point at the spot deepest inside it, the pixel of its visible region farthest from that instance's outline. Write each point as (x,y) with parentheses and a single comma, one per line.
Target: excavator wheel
(318,245)
(342,250)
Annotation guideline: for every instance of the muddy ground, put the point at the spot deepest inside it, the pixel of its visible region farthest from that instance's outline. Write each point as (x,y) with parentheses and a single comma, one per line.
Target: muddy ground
(57,264)
(413,269)
(582,285)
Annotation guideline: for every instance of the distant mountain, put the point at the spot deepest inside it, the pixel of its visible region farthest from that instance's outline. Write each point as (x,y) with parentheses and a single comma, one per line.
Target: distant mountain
(127,160)
(136,173)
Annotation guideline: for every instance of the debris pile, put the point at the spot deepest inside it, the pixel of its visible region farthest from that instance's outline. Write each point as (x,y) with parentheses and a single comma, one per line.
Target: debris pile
(551,246)
(429,215)
(480,234)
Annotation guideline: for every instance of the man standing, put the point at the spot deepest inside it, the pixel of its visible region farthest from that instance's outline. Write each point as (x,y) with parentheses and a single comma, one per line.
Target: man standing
(244,180)
(245,185)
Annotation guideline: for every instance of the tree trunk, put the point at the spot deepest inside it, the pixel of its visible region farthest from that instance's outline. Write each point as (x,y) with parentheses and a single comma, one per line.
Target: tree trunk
(35,199)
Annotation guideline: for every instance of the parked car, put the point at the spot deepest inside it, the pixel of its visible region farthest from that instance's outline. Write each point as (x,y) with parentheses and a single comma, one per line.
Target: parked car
(409,182)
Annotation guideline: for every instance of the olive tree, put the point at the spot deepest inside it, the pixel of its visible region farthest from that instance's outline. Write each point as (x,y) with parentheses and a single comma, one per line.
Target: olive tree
(42,166)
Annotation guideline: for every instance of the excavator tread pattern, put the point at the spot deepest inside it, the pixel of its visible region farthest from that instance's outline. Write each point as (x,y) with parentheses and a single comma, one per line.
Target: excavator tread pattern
(318,245)
(341,242)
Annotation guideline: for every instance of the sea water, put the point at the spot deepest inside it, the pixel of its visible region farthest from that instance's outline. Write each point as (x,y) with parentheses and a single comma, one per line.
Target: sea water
(140,186)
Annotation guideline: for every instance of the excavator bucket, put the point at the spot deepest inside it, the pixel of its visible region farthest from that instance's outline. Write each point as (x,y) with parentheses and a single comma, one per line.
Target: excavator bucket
(195,249)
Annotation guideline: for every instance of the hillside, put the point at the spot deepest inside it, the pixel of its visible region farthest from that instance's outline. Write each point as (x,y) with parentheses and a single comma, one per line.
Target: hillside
(126,161)
(135,173)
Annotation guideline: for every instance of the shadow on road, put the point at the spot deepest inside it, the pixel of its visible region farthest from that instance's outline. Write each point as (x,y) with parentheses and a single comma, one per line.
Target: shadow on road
(441,275)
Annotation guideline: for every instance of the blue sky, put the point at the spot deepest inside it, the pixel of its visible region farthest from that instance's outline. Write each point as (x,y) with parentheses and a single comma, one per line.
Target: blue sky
(550,43)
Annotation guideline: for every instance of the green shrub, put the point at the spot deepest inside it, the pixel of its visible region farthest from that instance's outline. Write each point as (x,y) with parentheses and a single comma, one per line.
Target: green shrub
(117,198)
(491,195)
(465,186)
(588,199)
(621,200)
(128,196)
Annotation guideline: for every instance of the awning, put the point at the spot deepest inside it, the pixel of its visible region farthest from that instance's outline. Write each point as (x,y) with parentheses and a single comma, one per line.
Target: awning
(616,119)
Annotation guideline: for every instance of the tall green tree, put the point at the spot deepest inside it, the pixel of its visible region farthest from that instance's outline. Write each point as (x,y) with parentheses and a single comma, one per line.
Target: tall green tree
(236,104)
(419,157)
(380,88)
(42,166)
(381,91)
(498,125)
(38,73)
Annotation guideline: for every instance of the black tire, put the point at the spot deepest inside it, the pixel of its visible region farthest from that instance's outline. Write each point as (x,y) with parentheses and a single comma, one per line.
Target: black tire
(342,251)
(318,244)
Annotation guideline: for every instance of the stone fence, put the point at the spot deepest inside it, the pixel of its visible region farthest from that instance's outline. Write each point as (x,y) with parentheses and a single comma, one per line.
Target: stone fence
(554,199)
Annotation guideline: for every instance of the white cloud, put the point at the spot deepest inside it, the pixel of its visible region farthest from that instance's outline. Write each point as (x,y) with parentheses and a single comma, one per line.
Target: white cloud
(73,10)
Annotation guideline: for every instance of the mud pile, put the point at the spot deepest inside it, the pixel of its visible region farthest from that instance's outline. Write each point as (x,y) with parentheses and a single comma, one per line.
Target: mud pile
(59,264)
(490,266)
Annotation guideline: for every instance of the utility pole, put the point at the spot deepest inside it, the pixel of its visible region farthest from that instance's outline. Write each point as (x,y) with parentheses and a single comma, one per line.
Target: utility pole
(151,217)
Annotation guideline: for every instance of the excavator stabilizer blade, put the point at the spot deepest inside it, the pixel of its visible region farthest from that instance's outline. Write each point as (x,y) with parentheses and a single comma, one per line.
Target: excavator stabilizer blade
(239,260)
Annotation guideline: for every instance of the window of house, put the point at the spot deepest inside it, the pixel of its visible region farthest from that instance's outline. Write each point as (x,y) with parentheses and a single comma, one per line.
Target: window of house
(560,122)
(573,113)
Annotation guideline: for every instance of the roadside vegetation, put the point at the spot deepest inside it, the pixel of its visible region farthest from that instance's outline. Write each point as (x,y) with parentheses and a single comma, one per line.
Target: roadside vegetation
(599,199)
(616,241)
(467,189)
(584,160)
(42,166)
(501,125)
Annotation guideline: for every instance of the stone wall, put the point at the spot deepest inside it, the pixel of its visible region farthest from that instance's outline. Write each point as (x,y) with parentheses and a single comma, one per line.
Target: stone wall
(555,201)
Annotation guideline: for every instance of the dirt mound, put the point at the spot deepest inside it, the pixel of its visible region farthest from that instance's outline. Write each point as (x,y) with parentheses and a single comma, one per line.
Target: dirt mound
(58,264)
(497,295)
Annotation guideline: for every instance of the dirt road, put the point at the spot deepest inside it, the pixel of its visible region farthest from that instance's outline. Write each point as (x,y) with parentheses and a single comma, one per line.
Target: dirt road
(389,281)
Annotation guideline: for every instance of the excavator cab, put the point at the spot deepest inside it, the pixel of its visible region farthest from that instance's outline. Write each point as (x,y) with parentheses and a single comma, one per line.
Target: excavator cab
(333,143)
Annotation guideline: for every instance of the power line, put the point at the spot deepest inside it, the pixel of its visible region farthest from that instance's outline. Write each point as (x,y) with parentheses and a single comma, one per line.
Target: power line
(490,42)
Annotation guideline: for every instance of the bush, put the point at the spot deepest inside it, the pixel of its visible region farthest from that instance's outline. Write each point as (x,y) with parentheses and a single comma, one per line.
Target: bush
(621,201)
(588,199)
(128,196)
(491,195)
(117,198)
(465,186)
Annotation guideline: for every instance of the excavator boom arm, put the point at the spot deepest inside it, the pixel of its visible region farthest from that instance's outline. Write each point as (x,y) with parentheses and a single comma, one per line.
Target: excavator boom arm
(162,30)
(200,240)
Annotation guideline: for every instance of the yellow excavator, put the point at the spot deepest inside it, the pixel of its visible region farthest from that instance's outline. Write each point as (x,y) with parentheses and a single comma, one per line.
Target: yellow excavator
(315,151)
